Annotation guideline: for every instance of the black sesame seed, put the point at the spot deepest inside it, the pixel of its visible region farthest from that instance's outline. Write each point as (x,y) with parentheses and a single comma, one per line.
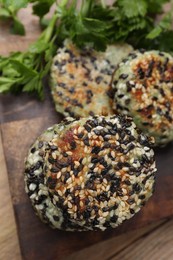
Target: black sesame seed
(59,93)
(104,172)
(96,150)
(51,183)
(89,184)
(72,90)
(142,50)
(124,60)
(114,219)
(54,169)
(130,147)
(104,209)
(141,73)
(149,72)
(40,144)
(71,76)
(130,201)
(51,160)
(167,104)
(136,187)
(119,165)
(102,196)
(95,160)
(113,188)
(110,93)
(65,154)
(66,177)
(53,147)
(75,172)
(115,82)
(123,76)
(86,141)
(119,192)
(86,214)
(56,218)
(127,182)
(168,117)
(73,145)
(162,92)
(132,211)
(61,84)
(146,123)
(88,128)
(80,167)
(112,131)
(60,164)
(80,135)
(84,84)
(133,55)
(106,145)
(127,101)
(91,113)
(95,222)
(120,95)
(38,165)
(40,200)
(161,54)
(33,150)
(98,79)
(141,197)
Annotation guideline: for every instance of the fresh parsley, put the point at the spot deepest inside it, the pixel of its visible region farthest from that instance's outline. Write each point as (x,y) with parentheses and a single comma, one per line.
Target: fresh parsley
(9,10)
(92,23)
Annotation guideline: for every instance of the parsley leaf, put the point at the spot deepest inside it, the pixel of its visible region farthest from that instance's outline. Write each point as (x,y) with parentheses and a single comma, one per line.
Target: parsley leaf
(93,23)
(9,9)
(133,8)
(40,8)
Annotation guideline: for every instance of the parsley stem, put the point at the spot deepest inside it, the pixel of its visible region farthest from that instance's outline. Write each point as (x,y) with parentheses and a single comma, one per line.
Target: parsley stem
(63,3)
(86,7)
(47,34)
(103,3)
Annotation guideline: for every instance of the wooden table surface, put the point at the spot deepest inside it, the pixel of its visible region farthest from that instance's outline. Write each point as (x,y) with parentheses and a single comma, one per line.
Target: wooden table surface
(151,242)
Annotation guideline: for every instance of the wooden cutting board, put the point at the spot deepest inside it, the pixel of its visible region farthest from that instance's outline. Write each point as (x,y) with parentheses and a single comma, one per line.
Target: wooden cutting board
(23,118)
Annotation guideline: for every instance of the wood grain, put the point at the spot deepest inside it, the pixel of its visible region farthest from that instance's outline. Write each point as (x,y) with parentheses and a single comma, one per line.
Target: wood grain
(8,234)
(105,250)
(11,43)
(17,137)
(23,118)
(154,246)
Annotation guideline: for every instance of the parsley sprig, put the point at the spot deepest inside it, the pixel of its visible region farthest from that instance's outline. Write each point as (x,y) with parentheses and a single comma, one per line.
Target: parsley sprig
(93,23)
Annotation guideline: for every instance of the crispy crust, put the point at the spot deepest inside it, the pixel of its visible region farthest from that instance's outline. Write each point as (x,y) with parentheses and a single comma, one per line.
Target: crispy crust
(143,86)
(90,174)
(80,79)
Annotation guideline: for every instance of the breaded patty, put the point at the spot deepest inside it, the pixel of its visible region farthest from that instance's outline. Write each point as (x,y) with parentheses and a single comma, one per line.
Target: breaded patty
(143,85)
(80,79)
(90,174)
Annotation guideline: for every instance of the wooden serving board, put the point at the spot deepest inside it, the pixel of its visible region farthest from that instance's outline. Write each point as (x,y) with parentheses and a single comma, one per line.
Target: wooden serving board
(23,118)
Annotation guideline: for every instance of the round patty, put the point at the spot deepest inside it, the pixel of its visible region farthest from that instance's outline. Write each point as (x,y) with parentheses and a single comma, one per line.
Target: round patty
(143,85)
(80,79)
(90,174)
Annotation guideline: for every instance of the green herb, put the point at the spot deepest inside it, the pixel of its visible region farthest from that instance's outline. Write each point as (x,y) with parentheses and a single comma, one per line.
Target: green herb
(8,11)
(93,23)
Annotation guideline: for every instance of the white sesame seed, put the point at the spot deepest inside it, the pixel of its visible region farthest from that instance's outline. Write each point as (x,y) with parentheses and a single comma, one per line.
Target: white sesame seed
(81,203)
(32,186)
(76,163)
(58,175)
(105,214)
(69,153)
(105,181)
(59,192)
(69,204)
